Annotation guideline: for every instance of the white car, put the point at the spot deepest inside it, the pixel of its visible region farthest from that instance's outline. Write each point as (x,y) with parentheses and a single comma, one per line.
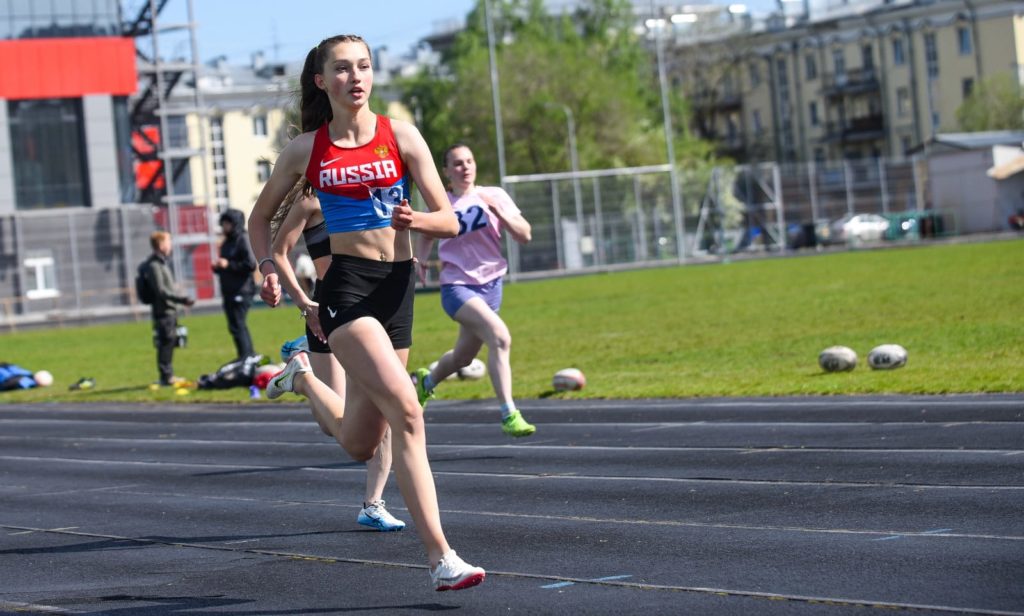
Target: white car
(856,228)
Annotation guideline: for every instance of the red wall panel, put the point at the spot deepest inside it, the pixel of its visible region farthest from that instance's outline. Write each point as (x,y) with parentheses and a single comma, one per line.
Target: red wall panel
(67,67)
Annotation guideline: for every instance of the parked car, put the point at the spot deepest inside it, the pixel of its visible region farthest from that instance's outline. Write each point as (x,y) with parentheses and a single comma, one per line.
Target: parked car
(857,228)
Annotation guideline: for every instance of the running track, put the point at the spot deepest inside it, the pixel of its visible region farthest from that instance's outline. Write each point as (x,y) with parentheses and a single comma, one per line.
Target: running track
(723,506)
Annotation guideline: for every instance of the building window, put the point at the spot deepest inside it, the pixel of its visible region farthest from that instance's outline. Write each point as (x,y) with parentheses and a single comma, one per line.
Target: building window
(220,175)
(756,117)
(839,62)
(811,67)
(259,125)
(812,111)
(755,74)
(780,68)
(898,57)
(931,55)
(967,87)
(262,171)
(867,57)
(48,153)
(40,274)
(819,155)
(902,101)
(963,37)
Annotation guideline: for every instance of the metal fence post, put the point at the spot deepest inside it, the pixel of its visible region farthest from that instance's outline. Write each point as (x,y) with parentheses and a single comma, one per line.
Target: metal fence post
(75,273)
(780,205)
(849,186)
(918,183)
(641,252)
(812,181)
(20,289)
(599,223)
(556,221)
(883,185)
(126,255)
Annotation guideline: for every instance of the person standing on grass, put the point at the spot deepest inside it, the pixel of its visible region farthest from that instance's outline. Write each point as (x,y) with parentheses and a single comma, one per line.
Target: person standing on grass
(360,165)
(301,216)
(234,268)
(472,266)
(164,309)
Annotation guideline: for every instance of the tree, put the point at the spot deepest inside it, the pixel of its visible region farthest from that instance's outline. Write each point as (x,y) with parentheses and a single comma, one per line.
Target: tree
(995,104)
(590,61)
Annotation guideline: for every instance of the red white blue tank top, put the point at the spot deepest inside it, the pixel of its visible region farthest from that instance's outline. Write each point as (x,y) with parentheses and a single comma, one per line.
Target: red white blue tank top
(358,187)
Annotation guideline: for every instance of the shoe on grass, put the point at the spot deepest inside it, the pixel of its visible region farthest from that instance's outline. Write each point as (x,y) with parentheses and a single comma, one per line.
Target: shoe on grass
(515,425)
(285,380)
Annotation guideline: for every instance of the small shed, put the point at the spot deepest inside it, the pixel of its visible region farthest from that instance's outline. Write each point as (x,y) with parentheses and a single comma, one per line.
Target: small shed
(962,170)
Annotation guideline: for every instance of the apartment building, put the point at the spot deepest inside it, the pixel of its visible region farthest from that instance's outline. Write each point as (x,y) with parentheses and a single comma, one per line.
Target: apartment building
(859,80)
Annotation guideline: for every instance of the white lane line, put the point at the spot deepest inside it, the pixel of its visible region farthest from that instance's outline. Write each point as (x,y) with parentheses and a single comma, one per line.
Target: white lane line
(309,427)
(536,477)
(940,532)
(832,601)
(34,608)
(829,404)
(539,445)
(86,490)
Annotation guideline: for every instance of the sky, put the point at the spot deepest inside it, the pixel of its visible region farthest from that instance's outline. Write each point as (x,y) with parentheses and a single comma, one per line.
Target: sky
(285,31)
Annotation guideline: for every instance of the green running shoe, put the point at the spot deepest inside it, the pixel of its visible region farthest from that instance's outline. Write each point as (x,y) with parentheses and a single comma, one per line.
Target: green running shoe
(515,425)
(419,379)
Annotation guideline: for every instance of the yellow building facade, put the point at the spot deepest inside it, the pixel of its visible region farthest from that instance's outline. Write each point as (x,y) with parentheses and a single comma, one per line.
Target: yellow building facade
(876,81)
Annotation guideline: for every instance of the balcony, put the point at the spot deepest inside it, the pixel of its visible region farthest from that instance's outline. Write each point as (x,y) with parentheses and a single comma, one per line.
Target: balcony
(850,83)
(734,146)
(716,101)
(867,128)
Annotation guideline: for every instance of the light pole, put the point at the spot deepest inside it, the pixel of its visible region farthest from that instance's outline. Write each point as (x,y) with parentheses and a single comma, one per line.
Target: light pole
(574,161)
(659,24)
(495,93)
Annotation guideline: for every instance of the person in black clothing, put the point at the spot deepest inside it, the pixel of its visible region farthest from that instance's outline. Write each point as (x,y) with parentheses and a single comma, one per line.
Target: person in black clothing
(237,286)
(166,301)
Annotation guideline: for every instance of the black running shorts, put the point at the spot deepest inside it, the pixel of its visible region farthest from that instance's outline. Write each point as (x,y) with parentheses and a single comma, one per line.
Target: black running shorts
(315,345)
(355,287)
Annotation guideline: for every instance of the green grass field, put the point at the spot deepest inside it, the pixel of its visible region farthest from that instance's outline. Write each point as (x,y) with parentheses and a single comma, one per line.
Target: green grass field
(750,328)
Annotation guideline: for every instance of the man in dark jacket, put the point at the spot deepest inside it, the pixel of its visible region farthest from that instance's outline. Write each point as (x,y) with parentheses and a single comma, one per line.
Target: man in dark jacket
(237,286)
(166,300)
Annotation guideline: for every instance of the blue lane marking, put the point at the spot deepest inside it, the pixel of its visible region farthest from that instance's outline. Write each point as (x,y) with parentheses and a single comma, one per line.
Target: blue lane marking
(603,579)
(610,578)
(559,585)
(888,538)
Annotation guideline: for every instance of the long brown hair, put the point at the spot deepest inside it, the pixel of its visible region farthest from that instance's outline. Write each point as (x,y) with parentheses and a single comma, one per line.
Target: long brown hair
(301,189)
(314,106)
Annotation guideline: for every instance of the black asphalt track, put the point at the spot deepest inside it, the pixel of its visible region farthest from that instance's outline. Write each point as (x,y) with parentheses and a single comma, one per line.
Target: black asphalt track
(721,506)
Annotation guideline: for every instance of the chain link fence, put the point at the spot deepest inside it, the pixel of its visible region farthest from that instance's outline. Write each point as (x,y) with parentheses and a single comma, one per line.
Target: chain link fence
(595,220)
(79,264)
(73,264)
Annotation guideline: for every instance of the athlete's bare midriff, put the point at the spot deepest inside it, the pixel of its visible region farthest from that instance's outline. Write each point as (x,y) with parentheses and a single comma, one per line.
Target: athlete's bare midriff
(384,244)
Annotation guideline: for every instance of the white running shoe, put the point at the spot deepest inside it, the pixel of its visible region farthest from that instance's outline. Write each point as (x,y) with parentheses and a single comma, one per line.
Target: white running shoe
(376,516)
(285,379)
(453,573)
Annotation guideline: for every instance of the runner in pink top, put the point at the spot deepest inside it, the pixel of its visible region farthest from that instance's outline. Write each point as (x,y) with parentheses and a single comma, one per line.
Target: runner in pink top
(472,266)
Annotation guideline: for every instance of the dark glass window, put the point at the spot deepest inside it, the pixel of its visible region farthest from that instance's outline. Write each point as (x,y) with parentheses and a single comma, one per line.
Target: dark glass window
(59,18)
(963,37)
(125,156)
(47,147)
(897,51)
